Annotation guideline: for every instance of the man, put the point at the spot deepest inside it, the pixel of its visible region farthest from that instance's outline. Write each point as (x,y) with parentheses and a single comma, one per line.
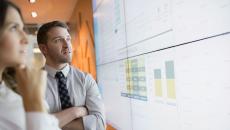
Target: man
(73,96)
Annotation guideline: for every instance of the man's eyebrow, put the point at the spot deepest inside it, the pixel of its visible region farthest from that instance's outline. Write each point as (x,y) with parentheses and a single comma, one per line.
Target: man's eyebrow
(56,37)
(60,37)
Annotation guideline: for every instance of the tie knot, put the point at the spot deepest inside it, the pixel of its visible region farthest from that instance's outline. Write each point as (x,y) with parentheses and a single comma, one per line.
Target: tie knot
(59,75)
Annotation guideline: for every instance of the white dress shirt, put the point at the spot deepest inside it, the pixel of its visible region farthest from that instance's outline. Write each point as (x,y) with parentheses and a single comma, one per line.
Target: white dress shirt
(83,91)
(14,117)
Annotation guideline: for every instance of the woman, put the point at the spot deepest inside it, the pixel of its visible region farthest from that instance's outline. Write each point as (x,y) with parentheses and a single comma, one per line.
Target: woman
(25,111)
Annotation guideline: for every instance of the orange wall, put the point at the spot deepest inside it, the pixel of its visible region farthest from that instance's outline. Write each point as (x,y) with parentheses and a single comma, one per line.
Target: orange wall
(109,127)
(81,28)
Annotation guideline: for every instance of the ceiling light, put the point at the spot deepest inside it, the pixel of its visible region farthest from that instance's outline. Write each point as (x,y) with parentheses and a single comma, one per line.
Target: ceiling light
(34,14)
(32,1)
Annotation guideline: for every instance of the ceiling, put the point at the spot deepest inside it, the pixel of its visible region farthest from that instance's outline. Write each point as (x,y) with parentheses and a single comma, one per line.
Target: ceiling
(47,10)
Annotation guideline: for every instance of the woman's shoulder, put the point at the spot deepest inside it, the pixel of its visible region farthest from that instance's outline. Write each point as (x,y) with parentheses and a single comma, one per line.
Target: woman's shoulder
(11,108)
(8,95)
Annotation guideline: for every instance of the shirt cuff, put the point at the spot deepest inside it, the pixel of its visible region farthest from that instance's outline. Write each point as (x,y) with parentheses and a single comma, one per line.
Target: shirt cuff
(89,122)
(41,121)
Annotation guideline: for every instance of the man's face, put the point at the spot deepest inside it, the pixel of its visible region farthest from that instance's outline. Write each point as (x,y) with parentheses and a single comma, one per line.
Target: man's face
(59,49)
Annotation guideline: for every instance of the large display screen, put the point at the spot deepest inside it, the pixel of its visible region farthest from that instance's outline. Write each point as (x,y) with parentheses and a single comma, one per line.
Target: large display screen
(164,64)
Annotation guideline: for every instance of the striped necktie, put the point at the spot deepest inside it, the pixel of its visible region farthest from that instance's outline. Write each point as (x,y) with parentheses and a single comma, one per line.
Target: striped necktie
(63,91)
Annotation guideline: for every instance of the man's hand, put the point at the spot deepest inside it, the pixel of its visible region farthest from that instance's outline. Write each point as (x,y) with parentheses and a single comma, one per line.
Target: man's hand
(68,115)
(80,111)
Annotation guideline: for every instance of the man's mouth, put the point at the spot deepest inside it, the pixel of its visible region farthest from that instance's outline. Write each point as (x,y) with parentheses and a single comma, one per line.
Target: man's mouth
(66,52)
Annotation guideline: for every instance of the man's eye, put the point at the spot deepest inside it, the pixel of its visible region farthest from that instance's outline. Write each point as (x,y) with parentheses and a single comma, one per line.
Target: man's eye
(68,39)
(57,40)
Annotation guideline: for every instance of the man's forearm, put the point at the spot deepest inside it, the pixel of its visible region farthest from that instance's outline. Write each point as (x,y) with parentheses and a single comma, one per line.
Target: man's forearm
(65,116)
(76,124)
(68,115)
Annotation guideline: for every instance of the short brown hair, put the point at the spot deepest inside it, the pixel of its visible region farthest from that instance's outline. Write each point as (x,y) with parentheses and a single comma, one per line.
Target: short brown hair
(42,32)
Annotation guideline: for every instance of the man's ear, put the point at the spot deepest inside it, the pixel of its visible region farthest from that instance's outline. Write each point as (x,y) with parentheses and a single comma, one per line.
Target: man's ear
(43,49)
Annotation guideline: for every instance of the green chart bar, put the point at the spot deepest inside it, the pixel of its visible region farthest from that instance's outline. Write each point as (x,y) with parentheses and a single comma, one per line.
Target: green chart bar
(170,79)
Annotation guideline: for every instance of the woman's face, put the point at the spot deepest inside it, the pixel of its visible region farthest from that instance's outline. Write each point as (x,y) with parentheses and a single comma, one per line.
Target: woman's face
(13,40)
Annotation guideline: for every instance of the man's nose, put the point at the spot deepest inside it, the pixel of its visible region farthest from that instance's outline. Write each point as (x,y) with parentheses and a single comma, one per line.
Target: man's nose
(67,44)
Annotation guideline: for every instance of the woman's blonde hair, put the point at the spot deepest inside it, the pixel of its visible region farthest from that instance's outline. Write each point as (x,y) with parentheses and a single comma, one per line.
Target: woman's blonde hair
(9,78)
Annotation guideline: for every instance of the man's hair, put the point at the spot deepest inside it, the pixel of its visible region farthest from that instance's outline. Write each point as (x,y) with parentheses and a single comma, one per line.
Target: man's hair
(42,36)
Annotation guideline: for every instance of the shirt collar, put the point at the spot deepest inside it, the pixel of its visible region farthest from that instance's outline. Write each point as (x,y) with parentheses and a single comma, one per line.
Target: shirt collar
(52,71)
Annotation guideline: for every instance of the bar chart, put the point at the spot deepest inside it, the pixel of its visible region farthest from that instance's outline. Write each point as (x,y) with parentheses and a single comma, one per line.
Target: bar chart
(169,80)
